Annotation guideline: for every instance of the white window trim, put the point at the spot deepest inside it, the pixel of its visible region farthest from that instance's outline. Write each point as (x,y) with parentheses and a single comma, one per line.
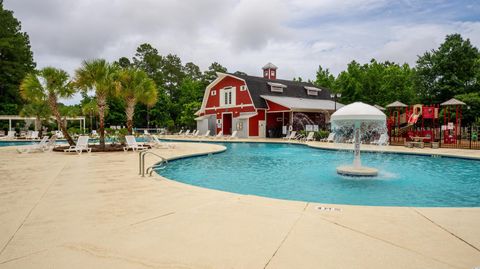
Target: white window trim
(312,92)
(276,89)
(232,98)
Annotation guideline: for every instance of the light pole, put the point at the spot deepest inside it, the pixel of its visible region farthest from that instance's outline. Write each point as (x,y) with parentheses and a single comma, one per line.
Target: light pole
(334,96)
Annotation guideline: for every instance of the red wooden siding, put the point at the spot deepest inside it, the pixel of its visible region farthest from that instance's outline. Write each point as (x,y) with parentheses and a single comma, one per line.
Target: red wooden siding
(253,123)
(242,97)
(276,107)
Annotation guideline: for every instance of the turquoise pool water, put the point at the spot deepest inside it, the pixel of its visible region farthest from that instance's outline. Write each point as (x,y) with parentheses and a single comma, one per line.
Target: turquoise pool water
(297,172)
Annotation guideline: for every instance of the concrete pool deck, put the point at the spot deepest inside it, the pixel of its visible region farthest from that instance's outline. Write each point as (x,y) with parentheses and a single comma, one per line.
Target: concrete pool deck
(93,211)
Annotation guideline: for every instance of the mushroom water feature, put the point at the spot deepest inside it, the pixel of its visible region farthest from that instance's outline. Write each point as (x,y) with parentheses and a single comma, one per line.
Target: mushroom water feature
(358,119)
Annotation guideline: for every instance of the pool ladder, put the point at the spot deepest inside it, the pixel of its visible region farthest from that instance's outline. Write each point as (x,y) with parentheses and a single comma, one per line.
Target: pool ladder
(141,163)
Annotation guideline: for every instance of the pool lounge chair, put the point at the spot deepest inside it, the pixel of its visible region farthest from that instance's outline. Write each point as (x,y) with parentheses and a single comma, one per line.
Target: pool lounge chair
(157,143)
(382,140)
(40,146)
(310,137)
(195,134)
(206,135)
(10,135)
(219,135)
(291,135)
(233,136)
(186,133)
(132,144)
(82,144)
(180,133)
(330,138)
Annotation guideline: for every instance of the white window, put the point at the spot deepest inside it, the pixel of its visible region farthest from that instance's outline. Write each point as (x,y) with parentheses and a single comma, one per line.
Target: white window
(266,73)
(272,73)
(243,88)
(213,92)
(312,92)
(277,89)
(227,96)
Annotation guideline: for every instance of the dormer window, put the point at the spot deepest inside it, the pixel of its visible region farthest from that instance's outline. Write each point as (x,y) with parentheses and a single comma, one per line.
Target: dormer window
(312,90)
(276,87)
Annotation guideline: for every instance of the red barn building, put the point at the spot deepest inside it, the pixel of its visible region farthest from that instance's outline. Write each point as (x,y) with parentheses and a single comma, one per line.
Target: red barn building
(263,106)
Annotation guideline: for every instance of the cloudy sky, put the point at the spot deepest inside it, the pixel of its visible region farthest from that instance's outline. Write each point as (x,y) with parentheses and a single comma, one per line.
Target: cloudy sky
(295,35)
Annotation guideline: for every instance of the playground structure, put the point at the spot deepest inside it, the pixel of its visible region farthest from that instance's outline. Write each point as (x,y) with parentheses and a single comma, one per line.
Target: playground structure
(437,124)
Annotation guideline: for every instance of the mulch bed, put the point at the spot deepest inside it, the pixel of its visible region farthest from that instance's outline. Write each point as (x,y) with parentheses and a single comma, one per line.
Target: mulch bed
(96,148)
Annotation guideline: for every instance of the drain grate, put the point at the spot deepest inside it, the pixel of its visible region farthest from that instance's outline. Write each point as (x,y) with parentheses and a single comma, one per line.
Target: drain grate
(324,208)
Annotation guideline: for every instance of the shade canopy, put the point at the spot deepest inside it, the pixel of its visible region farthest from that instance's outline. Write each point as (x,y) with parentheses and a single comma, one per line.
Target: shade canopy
(453,102)
(397,104)
(358,111)
(303,104)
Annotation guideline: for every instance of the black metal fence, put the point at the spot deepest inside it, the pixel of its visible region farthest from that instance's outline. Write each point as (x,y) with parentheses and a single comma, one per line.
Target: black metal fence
(466,138)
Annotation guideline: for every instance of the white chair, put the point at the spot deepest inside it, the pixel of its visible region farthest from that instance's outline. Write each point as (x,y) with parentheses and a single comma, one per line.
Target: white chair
(157,143)
(309,137)
(34,147)
(219,135)
(82,144)
(233,136)
(34,135)
(187,133)
(382,140)
(10,135)
(330,138)
(207,134)
(132,144)
(291,135)
(180,133)
(195,134)
(59,134)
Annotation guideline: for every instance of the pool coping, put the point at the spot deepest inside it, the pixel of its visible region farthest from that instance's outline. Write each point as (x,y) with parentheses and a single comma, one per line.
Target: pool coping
(341,147)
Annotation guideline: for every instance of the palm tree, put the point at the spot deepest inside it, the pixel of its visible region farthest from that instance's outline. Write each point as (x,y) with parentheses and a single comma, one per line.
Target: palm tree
(135,86)
(98,75)
(49,84)
(39,110)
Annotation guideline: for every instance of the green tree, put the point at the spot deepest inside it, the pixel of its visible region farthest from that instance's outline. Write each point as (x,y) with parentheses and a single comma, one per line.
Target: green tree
(135,86)
(16,61)
(38,109)
(450,70)
(49,84)
(99,76)
(324,78)
(211,74)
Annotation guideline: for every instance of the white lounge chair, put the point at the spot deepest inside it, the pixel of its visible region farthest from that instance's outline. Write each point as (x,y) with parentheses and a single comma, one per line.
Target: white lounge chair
(59,134)
(82,144)
(34,135)
(219,135)
(40,146)
(330,138)
(157,143)
(195,134)
(187,133)
(180,133)
(382,140)
(291,135)
(132,144)
(233,136)
(10,135)
(310,137)
(206,135)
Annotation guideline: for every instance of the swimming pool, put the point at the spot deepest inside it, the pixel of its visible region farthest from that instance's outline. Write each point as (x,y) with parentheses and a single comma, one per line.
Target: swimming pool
(297,172)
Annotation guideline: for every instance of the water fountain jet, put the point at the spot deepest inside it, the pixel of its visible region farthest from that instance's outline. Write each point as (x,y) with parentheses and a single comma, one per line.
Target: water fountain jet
(356,116)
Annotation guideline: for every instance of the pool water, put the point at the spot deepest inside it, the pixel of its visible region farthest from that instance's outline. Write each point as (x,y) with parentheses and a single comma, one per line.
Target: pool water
(298,172)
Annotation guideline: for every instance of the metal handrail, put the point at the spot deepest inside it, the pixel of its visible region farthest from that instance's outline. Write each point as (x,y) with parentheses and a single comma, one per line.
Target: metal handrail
(141,164)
